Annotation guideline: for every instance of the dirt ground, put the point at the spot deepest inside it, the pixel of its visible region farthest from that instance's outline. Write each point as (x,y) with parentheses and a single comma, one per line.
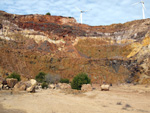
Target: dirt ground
(120,99)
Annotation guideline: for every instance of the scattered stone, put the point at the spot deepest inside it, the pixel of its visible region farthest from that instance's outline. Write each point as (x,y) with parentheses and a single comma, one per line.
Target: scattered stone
(51,86)
(119,103)
(127,106)
(86,87)
(144,111)
(38,87)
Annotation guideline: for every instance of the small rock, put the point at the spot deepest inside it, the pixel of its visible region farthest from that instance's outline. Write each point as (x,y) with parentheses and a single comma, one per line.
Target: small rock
(51,86)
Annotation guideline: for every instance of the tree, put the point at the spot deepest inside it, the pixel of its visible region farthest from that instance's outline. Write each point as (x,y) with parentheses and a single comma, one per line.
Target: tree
(40,77)
(48,13)
(44,85)
(64,80)
(15,75)
(79,80)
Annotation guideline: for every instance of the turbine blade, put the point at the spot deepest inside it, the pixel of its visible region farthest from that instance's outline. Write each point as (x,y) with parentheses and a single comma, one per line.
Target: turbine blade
(78,9)
(143,6)
(136,3)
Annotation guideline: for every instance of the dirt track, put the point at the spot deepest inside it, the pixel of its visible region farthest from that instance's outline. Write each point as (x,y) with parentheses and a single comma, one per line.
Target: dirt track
(120,99)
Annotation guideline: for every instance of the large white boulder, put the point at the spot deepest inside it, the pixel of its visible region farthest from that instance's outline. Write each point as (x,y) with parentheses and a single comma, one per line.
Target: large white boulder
(105,87)
(32,87)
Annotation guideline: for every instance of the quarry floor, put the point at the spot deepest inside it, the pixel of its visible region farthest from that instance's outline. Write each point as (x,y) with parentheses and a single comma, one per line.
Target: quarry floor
(120,99)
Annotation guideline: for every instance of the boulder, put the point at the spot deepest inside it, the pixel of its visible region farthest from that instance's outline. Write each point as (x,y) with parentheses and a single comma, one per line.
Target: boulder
(64,86)
(11,82)
(86,87)
(31,89)
(105,87)
(20,86)
(29,86)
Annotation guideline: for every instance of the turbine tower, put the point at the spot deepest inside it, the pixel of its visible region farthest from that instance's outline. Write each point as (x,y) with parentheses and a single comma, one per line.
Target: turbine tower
(81,12)
(143,7)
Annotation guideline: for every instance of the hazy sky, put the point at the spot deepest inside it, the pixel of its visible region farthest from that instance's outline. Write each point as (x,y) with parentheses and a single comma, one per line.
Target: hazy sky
(104,12)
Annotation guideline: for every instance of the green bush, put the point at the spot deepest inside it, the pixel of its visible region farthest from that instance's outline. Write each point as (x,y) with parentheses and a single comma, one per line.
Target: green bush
(40,77)
(44,85)
(15,75)
(78,80)
(48,13)
(64,80)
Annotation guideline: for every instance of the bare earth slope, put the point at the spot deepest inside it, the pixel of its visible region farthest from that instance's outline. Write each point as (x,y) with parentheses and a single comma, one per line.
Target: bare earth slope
(116,53)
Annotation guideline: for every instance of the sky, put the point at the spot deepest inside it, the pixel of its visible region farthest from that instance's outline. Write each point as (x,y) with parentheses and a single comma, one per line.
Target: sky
(101,12)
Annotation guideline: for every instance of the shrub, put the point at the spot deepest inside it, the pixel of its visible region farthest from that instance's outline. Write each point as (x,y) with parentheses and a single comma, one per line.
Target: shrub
(15,75)
(44,85)
(52,78)
(40,77)
(78,80)
(64,80)
(48,13)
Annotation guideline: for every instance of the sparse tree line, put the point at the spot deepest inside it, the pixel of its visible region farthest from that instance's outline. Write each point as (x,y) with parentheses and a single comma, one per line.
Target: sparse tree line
(45,80)
(77,82)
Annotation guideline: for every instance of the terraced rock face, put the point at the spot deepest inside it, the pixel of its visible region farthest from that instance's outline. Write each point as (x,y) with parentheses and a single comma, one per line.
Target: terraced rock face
(116,54)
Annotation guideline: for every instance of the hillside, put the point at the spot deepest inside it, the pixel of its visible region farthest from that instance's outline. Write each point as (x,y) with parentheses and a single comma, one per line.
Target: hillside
(117,53)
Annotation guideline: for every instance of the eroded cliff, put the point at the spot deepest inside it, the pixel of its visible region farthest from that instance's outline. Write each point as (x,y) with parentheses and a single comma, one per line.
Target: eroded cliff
(116,54)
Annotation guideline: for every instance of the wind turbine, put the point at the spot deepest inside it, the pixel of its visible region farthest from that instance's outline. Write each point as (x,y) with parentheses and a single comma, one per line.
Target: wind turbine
(143,7)
(81,12)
